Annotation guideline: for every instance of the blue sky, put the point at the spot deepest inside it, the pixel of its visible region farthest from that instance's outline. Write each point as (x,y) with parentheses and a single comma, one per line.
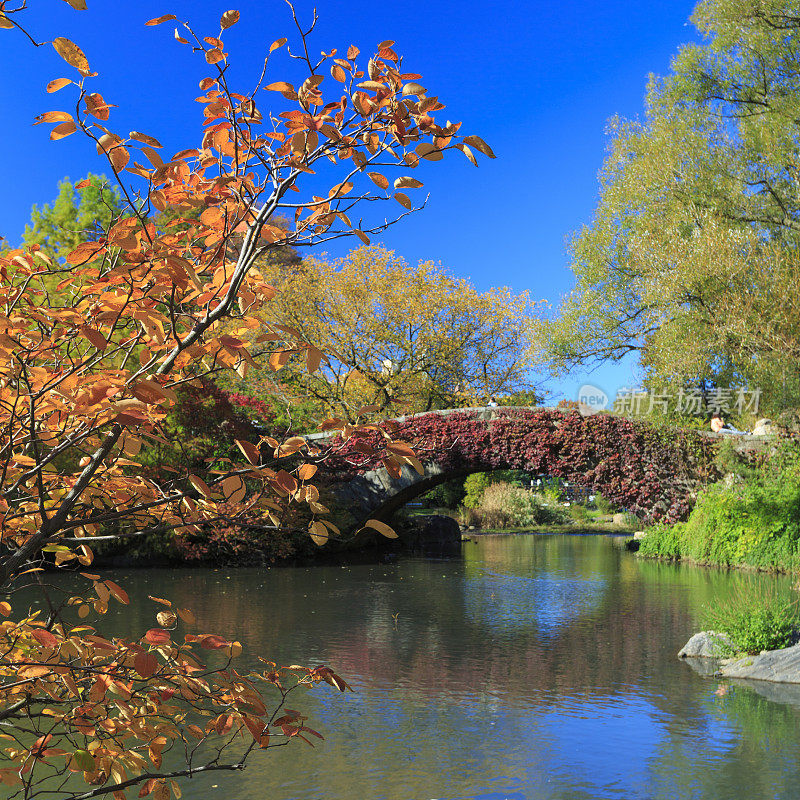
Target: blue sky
(537,80)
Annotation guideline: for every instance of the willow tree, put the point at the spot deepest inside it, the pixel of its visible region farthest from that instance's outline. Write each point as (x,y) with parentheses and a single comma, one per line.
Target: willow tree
(691,258)
(92,350)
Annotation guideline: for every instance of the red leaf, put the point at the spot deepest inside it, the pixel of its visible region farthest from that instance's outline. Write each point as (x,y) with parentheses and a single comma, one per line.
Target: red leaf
(157,636)
(45,638)
(146,664)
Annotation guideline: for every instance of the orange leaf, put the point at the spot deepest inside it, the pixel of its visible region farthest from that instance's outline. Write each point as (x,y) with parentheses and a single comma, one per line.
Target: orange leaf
(406,182)
(250,451)
(213,642)
(95,338)
(58,83)
(319,533)
(229,18)
(84,252)
(159,20)
(143,138)
(119,158)
(200,485)
(118,592)
(63,130)
(45,638)
(313,359)
(53,116)
(478,144)
(306,472)
(286,481)
(145,664)
(403,199)
(96,105)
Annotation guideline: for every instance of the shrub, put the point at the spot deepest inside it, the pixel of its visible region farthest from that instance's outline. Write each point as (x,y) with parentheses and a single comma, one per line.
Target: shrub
(754,620)
(603,505)
(242,546)
(474,487)
(754,523)
(449,494)
(504,505)
(578,512)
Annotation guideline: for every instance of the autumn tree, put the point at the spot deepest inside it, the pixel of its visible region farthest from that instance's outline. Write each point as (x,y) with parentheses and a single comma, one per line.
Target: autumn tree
(92,351)
(691,259)
(409,338)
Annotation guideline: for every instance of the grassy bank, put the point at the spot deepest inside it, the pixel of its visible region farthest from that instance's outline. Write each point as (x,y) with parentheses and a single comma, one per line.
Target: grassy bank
(751,519)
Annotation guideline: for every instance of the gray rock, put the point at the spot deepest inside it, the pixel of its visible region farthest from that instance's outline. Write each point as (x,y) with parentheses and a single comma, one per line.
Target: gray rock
(779,666)
(706,644)
(620,519)
(764,427)
(706,667)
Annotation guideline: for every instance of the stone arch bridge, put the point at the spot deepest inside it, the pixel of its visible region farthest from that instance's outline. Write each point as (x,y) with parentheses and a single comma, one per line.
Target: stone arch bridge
(653,471)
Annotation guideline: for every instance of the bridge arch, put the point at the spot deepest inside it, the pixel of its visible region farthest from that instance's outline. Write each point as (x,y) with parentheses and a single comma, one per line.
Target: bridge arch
(653,471)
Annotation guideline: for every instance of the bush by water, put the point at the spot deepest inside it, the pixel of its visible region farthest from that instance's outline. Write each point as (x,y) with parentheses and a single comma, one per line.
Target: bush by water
(750,519)
(754,620)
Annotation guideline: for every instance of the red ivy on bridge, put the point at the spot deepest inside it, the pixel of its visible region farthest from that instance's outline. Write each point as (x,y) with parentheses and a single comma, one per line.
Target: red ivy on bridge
(654,472)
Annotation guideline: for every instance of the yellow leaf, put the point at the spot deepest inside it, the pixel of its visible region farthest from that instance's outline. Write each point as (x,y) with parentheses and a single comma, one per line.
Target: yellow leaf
(479,144)
(72,54)
(319,533)
(381,527)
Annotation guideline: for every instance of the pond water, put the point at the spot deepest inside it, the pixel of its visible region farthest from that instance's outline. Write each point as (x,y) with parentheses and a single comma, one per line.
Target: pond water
(536,667)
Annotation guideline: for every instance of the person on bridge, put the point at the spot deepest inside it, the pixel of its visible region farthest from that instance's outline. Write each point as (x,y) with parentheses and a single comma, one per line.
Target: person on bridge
(492,403)
(718,425)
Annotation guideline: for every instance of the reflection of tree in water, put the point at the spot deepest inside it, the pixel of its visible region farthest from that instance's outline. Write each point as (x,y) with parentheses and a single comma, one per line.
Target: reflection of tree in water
(456,701)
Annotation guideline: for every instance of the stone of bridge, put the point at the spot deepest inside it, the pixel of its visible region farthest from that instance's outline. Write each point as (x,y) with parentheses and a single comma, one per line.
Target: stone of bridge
(375,494)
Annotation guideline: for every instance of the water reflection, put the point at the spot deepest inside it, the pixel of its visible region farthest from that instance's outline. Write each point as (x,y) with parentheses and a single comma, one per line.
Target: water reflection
(531,667)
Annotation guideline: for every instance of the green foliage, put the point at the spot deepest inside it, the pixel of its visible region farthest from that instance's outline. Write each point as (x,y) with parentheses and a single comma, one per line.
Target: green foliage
(474,487)
(730,462)
(752,522)
(578,512)
(77,215)
(199,429)
(602,505)
(754,620)
(449,494)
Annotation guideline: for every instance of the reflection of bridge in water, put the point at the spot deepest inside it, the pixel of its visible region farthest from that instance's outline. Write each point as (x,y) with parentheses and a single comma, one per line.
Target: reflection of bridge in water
(653,471)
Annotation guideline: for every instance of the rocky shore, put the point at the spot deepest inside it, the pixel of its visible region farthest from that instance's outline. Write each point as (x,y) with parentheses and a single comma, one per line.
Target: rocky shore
(703,650)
